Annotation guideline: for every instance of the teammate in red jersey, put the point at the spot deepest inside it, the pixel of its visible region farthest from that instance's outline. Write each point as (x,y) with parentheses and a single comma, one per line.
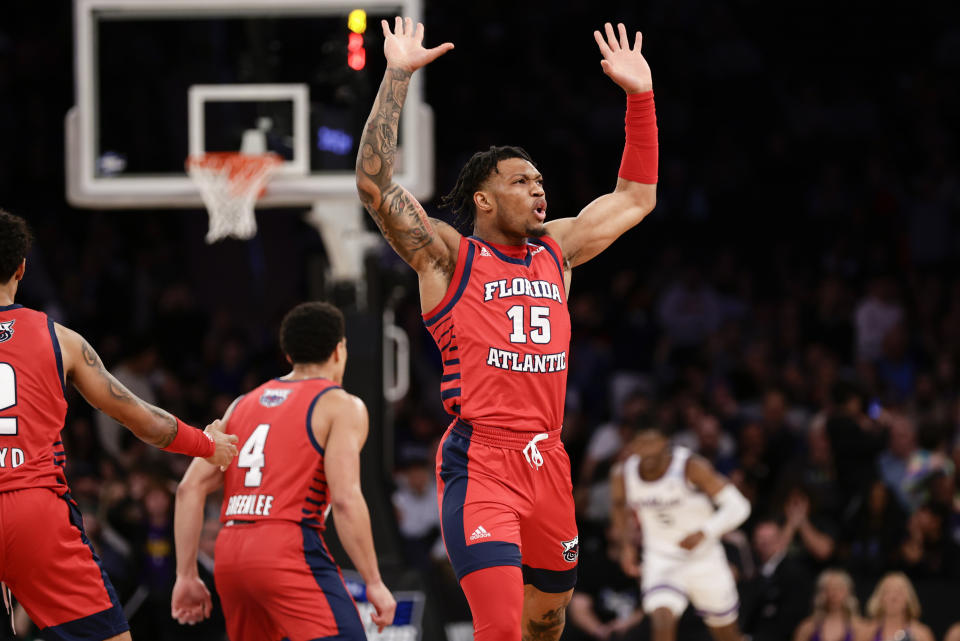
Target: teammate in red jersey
(45,557)
(301,436)
(496,303)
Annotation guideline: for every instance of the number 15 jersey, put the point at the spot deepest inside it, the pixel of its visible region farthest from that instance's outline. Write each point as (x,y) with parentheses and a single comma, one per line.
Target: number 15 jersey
(503,330)
(278,474)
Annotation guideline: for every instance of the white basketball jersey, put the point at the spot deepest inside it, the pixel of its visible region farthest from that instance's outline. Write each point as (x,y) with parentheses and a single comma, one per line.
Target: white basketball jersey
(669,508)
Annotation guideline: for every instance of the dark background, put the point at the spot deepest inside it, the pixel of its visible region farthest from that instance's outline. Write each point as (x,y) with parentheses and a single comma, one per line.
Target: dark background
(808,167)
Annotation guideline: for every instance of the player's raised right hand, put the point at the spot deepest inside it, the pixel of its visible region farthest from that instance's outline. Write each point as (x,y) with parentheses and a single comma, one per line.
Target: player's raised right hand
(403,46)
(383,602)
(226,447)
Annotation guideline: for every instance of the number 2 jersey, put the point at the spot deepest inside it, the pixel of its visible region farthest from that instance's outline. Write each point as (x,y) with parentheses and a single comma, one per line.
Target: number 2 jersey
(32,403)
(278,473)
(503,331)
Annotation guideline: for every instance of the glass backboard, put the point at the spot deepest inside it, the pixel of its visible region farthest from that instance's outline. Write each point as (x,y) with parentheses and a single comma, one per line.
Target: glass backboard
(159,79)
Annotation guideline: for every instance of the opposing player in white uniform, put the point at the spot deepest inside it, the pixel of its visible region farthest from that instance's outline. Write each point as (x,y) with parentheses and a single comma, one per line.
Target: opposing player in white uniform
(683,507)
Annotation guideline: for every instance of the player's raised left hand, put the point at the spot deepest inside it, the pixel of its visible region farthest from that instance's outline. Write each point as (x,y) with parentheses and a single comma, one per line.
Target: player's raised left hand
(692,540)
(191,602)
(403,47)
(625,65)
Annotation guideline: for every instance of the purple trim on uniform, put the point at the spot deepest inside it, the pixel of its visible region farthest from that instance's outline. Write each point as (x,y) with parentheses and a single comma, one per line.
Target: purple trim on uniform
(552,581)
(57,354)
(707,613)
(450,393)
(99,625)
(327,575)
(818,634)
(7,308)
(664,586)
(545,245)
(446,378)
(455,475)
(313,439)
(464,278)
(452,361)
(509,259)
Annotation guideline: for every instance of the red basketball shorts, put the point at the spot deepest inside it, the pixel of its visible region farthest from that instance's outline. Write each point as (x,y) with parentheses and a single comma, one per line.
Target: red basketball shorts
(52,570)
(507,499)
(277,580)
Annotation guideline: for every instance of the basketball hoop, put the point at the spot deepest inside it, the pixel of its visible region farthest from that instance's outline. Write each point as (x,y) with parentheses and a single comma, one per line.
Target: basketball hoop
(230,183)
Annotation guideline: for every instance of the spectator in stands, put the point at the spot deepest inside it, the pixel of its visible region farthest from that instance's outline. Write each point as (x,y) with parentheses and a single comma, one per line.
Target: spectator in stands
(875,532)
(893,461)
(836,611)
(817,533)
(606,601)
(705,436)
(773,602)
(415,505)
(894,612)
(855,439)
(876,314)
(816,472)
(592,492)
(928,550)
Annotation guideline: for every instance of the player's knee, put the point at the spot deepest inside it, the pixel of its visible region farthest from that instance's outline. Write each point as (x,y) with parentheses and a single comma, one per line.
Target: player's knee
(662,618)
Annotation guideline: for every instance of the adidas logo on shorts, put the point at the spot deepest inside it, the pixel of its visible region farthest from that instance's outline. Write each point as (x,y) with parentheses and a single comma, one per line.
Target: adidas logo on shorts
(479,533)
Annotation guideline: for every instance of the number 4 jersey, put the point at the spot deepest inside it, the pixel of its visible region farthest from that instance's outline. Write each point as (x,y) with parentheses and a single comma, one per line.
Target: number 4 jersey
(32,405)
(503,330)
(278,474)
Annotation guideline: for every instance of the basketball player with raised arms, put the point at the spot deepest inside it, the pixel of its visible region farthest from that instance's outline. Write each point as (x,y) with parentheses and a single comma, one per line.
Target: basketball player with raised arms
(496,304)
(45,557)
(301,436)
(683,507)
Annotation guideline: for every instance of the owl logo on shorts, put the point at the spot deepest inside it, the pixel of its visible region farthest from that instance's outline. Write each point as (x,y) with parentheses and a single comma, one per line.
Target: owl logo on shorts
(6,331)
(571,549)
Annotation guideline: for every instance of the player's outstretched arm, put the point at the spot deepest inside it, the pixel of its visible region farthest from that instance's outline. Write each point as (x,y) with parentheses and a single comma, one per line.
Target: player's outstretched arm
(732,507)
(347,433)
(608,217)
(150,424)
(427,245)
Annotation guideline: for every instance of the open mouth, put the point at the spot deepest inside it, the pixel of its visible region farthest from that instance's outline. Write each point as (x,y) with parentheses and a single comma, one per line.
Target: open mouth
(540,210)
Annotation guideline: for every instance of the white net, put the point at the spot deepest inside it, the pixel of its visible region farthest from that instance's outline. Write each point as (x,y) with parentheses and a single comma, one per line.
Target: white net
(230,184)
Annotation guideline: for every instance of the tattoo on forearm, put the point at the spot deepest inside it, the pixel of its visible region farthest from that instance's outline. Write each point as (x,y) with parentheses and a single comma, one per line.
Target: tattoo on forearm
(166,428)
(547,628)
(400,218)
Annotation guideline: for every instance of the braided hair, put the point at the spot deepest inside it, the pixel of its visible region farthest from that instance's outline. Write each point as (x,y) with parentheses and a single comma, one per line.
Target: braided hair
(473,175)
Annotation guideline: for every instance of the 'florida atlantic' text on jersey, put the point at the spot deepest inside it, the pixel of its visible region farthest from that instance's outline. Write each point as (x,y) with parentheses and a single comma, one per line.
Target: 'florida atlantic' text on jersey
(278,473)
(32,404)
(503,330)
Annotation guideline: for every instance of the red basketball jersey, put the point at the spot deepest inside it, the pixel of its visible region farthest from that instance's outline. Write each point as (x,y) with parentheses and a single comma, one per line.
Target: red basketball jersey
(503,330)
(278,473)
(32,405)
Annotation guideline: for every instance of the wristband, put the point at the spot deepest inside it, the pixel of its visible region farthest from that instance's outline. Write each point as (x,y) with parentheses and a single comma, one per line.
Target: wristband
(732,510)
(641,150)
(191,441)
